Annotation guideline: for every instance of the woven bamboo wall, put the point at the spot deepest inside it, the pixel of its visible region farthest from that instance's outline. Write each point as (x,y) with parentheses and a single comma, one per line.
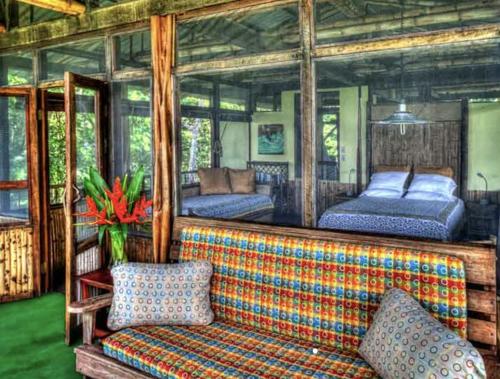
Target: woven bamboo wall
(16,263)
(57,247)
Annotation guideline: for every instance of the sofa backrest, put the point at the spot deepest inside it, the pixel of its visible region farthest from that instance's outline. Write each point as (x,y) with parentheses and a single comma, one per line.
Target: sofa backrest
(321,291)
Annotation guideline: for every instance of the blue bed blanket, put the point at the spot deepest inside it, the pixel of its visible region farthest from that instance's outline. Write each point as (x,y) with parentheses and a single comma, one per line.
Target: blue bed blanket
(229,206)
(431,219)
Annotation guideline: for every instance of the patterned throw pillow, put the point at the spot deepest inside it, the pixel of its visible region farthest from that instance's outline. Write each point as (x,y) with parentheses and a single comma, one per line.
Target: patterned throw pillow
(404,341)
(161,294)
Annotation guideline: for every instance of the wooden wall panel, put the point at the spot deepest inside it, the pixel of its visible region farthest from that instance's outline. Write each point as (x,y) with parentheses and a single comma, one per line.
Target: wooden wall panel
(327,190)
(435,144)
(56,249)
(139,249)
(16,264)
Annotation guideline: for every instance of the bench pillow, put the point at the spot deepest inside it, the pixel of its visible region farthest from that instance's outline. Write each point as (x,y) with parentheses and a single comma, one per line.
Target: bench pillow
(161,294)
(214,181)
(405,341)
(242,181)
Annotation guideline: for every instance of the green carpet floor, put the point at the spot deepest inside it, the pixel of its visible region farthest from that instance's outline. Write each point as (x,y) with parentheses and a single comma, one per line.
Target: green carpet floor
(32,340)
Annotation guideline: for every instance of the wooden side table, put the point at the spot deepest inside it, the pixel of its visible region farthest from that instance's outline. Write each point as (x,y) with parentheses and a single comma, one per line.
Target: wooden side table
(97,279)
(342,198)
(482,220)
(101,279)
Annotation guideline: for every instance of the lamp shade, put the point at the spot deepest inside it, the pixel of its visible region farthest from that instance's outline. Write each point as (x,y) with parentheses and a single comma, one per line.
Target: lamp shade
(402,117)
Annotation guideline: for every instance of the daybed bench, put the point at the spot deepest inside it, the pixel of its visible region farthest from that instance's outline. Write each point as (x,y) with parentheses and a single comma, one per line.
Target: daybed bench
(284,306)
(257,206)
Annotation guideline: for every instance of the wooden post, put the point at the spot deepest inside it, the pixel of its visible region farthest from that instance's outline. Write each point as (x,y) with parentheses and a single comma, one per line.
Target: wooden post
(163,40)
(308,117)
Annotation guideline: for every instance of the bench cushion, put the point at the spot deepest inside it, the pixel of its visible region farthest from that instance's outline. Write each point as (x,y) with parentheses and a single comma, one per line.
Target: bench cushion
(226,349)
(320,291)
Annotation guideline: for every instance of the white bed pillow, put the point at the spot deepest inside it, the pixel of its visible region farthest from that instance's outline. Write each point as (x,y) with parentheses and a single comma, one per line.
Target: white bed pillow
(389,194)
(439,185)
(390,180)
(418,195)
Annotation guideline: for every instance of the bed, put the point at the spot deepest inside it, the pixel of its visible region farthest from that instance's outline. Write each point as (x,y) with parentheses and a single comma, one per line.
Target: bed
(430,219)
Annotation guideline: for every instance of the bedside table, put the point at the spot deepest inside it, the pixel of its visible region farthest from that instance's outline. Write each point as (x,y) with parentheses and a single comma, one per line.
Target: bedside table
(482,220)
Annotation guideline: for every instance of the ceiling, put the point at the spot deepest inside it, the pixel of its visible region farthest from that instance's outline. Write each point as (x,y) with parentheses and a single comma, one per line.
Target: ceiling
(15,14)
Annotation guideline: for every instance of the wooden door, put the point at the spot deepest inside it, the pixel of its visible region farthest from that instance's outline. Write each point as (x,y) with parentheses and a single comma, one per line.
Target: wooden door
(85,102)
(19,196)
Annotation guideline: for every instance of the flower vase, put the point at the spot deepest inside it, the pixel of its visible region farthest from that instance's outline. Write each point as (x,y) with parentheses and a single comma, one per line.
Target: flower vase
(118,239)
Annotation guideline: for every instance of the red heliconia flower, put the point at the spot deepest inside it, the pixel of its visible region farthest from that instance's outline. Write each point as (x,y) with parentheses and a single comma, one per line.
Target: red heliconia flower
(140,208)
(92,211)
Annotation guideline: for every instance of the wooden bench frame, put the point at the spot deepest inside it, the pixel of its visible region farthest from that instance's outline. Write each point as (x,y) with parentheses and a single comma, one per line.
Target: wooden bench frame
(480,264)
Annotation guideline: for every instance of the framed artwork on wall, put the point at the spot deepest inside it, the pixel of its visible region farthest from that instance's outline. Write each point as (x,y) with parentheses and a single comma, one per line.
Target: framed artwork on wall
(271,139)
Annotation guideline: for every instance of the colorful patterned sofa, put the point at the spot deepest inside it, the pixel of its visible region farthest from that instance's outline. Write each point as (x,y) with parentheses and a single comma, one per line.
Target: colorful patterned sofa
(285,308)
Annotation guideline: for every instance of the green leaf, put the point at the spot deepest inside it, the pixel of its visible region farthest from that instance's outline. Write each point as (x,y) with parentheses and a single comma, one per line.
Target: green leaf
(102,231)
(91,190)
(98,181)
(125,183)
(124,231)
(135,187)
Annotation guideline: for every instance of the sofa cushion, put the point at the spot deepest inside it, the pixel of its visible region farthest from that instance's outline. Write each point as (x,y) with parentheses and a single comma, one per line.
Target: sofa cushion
(159,294)
(405,341)
(226,349)
(319,291)
(214,181)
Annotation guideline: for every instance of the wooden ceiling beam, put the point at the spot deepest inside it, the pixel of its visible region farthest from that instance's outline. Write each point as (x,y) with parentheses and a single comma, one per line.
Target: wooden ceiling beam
(70,7)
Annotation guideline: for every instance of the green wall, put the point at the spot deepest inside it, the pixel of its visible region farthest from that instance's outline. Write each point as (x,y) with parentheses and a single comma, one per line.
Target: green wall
(234,138)
(484,145)
(285,117)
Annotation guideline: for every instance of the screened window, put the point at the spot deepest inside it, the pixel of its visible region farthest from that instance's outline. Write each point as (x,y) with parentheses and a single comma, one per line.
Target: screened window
(231,132)
(81,58)
(133,50)
(238,33)
(16,69)
(13,160)
(133,139)
(340,21)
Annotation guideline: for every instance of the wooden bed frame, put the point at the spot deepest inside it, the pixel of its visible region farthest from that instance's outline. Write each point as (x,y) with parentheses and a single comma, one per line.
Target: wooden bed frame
(480,263)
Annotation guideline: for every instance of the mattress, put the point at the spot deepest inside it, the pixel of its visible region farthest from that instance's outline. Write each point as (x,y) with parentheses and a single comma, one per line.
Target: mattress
(230,206)
(439,220)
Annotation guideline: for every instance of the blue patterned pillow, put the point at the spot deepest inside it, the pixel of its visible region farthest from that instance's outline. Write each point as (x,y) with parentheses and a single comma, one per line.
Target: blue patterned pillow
(405,341)
(161,294)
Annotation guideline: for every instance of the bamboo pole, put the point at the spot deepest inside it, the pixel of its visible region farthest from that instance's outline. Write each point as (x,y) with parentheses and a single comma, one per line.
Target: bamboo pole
(162,38)
(71,7)
(7,268)
(2,263)
(411,41)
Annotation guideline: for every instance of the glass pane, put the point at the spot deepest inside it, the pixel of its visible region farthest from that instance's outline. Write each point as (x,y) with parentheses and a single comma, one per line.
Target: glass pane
(133,134)
(235,134)
(196,148)
(86,146)
(14,206)
(81,58)
(16,69)
(239,33)
(133,51)
(57,155)
(196,92)
(338,21)
(13,158)
(234,97)
(86,150)
(411,109)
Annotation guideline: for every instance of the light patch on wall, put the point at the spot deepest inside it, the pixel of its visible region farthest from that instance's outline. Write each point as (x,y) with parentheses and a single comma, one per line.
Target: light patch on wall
(484,146)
